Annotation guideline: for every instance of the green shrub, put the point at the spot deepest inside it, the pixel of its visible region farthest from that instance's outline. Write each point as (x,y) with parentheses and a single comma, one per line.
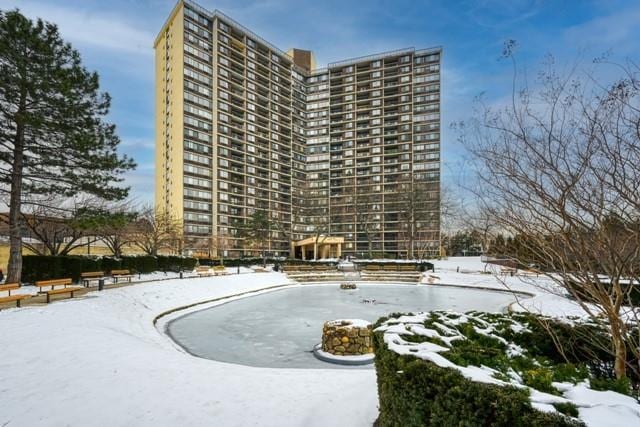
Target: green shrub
(109,264)
(540,379)
(38,267)
(618,385)
(420,265)
(140,264)
(246,262)
(568,372)
(567,408)
(415,392)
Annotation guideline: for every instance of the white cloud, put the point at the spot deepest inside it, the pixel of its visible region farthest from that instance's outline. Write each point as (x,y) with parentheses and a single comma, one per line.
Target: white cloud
(618,32)
(142,183)
(137,143)
(93,29)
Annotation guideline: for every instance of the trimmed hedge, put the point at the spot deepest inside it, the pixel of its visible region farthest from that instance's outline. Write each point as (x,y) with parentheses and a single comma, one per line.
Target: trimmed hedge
(416,392)
(420,265)
(38,267)
(246,262)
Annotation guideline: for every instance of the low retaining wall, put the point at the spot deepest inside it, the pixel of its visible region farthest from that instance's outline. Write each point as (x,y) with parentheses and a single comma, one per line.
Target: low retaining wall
(347,337)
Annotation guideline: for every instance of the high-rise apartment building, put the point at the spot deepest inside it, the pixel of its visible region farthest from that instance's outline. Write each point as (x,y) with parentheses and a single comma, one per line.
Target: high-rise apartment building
(351,150)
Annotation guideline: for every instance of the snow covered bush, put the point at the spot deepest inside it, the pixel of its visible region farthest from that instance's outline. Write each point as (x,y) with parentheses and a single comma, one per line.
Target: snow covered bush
(443,368)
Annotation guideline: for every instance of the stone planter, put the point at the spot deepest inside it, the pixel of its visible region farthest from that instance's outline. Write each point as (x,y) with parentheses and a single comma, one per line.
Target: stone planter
(347,337)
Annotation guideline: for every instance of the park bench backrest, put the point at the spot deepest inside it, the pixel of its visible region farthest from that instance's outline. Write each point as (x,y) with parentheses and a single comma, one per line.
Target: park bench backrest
(119,272)
(90,274)
(8,287)
(53,282)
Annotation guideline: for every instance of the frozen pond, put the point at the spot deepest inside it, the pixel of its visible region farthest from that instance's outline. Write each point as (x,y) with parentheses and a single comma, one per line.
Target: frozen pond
(279,329)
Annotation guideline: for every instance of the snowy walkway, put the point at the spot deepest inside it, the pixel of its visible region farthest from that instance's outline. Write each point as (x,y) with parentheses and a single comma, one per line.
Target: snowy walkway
(98,360)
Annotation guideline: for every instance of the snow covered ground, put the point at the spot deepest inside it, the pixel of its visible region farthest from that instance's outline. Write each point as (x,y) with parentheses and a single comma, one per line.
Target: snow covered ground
(99,360)
(471,271)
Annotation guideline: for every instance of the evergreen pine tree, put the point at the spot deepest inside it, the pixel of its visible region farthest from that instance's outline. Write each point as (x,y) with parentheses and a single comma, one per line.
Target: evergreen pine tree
(53,137)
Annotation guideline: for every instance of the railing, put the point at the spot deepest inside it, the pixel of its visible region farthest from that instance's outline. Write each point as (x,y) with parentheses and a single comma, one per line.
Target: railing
(217,13)
(246,31)
(372,57)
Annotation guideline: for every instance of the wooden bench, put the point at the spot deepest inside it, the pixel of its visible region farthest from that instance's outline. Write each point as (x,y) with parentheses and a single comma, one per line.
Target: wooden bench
(8,287)
(408,267)
(121,274)
(91,276)
(57,282)
(204,271)
(508,271)
(220,270)
(372,267)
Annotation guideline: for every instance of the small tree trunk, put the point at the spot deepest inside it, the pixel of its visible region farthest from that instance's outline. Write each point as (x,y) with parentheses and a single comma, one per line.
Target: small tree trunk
(14,269)
(620,348)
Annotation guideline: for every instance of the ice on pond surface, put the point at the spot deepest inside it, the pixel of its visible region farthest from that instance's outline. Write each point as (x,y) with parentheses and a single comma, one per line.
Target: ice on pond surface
(279,329)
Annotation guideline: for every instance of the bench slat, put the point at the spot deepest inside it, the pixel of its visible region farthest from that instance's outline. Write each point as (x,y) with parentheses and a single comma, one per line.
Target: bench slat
(119,272)
(17,298)
(55,282)
(14,297)
(63,291)
(8,287)
(70,290)
(90,274)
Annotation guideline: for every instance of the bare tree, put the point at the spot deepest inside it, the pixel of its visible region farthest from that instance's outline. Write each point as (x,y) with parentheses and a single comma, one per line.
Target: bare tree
(58,230)
(114,226)
(482,226)
(367,215)
(256,232)
(213,246)
(452,218)
(417,204)
(314,214)
(154,231)
(560,167)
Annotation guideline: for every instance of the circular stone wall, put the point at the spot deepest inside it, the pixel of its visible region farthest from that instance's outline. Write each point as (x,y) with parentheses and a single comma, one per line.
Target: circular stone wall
(347,337)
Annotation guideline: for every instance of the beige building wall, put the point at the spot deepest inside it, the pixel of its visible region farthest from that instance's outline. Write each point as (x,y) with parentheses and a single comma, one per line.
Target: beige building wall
(169,114)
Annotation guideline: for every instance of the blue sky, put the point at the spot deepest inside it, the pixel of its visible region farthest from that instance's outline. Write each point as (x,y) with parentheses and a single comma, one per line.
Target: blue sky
(115,38)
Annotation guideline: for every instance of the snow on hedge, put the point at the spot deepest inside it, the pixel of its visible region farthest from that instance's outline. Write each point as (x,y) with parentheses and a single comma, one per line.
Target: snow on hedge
(596,408)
